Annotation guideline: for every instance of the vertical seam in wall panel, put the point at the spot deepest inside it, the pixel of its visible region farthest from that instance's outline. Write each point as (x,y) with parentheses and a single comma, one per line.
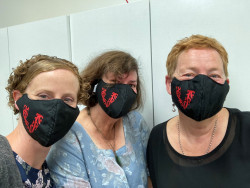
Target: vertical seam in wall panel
(69,37)
(10,70)
(151,59)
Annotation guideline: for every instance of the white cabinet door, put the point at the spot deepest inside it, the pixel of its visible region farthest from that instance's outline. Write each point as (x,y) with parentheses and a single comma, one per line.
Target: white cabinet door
(125,27)
(5,112)
(227,21)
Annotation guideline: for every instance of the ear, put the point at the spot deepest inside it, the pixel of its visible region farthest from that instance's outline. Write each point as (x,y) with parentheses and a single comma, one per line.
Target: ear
(168,81)
(16,95)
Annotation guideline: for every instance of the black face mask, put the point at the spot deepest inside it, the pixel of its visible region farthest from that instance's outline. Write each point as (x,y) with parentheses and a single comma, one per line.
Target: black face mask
(199,98)
(46,121)
(115,99)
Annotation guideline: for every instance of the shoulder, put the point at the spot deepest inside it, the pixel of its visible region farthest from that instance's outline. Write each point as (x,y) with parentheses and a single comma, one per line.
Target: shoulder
(134,118)
(242,121)
(242,116)
(135,121)
(5,146)
(156,141)
(76,132)
(156,135)
(8,167)
(158,129)
(71,142)
(3,139)
(135,115)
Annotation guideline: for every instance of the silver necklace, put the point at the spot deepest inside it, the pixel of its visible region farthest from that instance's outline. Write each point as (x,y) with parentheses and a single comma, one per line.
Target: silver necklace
(211,138)
(112,146)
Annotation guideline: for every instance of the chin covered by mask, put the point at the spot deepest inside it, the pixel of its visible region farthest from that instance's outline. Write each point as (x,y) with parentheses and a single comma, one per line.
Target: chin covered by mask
(199,98)
(46,121)
(115,99)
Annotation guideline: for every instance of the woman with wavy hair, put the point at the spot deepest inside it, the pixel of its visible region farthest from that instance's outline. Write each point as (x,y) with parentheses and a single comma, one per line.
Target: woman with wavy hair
(107,144)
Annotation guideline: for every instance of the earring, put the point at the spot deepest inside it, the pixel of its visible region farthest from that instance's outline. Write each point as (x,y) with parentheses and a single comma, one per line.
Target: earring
(173,109)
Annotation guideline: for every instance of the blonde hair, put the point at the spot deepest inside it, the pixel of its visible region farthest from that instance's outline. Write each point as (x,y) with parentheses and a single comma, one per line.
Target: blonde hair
(117,62)
(195,41)
(23,74)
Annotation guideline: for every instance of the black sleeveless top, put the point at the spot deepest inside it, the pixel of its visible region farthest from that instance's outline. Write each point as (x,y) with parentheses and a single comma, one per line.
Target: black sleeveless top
(228,165)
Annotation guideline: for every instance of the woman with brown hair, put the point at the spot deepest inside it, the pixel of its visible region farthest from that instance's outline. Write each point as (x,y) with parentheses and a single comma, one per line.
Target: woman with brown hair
(44,91)
(107,144)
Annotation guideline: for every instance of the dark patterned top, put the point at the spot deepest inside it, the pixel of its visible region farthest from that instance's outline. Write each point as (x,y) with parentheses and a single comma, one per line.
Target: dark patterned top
(32,177)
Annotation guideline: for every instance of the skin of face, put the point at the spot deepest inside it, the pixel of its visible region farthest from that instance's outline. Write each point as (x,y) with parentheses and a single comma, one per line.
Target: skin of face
(57,84)
(192,62)
(129,78)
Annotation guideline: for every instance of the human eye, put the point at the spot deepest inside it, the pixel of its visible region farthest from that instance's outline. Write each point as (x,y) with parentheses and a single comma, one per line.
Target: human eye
(112,81)
(215,76)
(43,96)
(132,86)
(68,99)
(188,76)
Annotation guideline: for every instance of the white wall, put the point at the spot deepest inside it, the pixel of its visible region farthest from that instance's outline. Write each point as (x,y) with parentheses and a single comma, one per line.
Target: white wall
(124,27)
(14,12)
(148,34)
(225,20)
(5,112)
(81,36)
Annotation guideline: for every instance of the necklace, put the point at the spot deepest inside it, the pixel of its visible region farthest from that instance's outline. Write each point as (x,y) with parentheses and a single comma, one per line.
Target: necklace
(210,142)
(112,146)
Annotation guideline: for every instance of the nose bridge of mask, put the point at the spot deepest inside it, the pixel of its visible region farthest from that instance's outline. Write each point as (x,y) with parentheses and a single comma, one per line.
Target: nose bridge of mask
(125,95)
(59,115)
(206,93)
(54,111)
(122,95)
(50,119)
(203,86)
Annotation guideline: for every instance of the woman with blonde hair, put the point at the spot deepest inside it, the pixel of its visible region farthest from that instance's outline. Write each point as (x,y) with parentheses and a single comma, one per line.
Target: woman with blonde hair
(44,91)
(206,144)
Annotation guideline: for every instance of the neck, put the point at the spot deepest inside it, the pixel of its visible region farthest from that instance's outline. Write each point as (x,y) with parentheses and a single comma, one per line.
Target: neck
(103,122)
(198,138)
(194,128)
(26,147)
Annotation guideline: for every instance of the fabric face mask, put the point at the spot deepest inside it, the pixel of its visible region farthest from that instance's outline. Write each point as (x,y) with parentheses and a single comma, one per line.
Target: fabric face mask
(115,99)
(46,121)
(199,98)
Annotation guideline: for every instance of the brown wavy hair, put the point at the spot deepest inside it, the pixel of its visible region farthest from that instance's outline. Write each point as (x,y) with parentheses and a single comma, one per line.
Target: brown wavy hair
(117,62)
(22,75)
(195,41)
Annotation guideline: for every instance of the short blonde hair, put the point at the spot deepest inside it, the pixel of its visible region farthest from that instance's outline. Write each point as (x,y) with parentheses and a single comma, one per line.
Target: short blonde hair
(23,74)
(195,41)
(117,62)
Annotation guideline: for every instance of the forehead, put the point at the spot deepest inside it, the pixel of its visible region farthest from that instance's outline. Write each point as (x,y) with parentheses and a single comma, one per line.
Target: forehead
(59,80)
(200,58)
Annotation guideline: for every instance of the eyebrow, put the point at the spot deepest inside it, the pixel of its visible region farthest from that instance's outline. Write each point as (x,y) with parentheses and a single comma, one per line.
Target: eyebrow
(133,81)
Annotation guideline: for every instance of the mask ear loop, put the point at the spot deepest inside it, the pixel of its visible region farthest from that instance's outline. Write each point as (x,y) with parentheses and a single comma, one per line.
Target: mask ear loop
(94,85)
(173,109)
(94,89)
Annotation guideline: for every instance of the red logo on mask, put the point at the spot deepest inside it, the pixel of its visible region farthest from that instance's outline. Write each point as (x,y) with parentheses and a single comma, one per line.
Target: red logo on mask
(36,122)
(188,99)
(112,98)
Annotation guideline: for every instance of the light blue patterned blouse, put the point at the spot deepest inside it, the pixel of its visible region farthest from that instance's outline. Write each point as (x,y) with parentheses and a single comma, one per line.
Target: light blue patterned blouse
(75,161)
